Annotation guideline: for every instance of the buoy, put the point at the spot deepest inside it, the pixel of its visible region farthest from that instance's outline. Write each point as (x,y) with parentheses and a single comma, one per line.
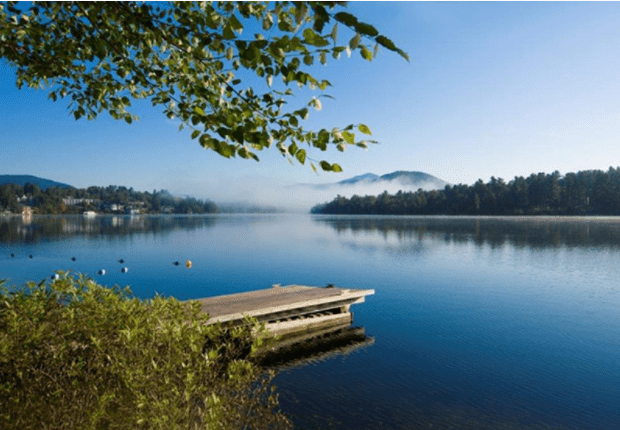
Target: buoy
(55,276)
(176,263)
(121,261)
(189,264)
(101,272)
(124,270)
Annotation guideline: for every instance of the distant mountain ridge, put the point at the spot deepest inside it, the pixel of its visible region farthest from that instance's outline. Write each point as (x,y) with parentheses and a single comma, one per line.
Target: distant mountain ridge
(408,180)
(22,180)
(402,176)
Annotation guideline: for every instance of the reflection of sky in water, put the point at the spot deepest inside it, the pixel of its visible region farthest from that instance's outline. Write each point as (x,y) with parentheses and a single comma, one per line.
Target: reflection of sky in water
(478,323)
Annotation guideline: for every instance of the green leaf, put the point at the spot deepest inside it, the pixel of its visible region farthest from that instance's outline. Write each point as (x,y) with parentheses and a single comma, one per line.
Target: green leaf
(228,32)
(387,43)
(348,137)
(321,17)
(314,39)
(238,135)
(336,168)
(234,23)
(205,141)
(224,149)
(198,110)
(364,129)
(303,113)
(322,139)
(325,166)
(195,134)
(346,18)
(366,54)
(366,29)
(334,33)
(301,156)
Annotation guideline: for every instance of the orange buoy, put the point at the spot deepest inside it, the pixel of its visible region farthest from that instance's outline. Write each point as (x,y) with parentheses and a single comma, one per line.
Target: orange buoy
(189,264)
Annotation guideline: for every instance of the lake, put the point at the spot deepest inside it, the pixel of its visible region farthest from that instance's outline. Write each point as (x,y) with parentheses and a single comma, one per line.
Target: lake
(498,323)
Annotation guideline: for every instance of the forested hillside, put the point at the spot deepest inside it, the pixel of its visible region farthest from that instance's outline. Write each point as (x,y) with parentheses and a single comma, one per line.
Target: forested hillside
(110,199)
(591,192)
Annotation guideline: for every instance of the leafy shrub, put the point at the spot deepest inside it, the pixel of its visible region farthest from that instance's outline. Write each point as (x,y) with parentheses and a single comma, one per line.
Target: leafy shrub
(77,355)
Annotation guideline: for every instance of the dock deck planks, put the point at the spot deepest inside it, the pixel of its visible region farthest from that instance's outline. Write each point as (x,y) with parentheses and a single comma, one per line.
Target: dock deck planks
(292,299)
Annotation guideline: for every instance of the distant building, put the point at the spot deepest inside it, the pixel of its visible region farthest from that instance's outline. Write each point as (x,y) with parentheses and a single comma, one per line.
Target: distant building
(113,207)
(72,201)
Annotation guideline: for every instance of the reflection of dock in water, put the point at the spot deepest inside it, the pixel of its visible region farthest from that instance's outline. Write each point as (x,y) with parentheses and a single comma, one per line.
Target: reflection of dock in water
(301,350)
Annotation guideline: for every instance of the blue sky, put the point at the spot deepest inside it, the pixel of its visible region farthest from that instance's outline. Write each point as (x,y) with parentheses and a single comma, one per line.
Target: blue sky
(492,89)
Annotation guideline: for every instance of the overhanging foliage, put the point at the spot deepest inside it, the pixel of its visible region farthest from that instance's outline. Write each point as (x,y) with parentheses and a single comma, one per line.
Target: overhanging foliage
(193,59)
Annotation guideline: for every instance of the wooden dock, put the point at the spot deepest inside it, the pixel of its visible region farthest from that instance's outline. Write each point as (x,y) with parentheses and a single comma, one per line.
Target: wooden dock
(289,310)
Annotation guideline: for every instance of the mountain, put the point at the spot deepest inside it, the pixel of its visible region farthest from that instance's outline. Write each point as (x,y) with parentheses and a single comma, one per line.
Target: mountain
(375,184)
(364,177)
(407,179)
(22,180)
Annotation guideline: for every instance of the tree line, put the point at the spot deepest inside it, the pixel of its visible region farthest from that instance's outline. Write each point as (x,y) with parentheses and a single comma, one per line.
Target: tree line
(590,192)
(110,199)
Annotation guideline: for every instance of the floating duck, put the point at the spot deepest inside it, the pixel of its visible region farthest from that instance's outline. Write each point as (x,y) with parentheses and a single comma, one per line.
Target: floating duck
(12,255)
(176,263)
(30,256)
(101,272)
(189,264)
(72,258)
(121,261)
(124,270)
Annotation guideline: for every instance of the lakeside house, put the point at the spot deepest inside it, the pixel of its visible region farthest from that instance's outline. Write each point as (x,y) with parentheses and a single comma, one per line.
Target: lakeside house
(72,201)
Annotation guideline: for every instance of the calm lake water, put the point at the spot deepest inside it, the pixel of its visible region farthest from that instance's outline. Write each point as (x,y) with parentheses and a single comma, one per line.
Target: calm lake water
(476,322)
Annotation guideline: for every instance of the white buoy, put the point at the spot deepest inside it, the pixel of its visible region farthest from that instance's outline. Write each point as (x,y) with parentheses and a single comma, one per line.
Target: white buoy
(124,270)
(101,271)
(55,276)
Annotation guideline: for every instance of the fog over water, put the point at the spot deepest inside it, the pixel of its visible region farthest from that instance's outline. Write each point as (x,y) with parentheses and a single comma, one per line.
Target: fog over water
(298,198)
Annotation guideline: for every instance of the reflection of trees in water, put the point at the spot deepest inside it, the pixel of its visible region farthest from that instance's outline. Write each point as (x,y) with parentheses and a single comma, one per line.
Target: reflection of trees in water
(33,230)
(520,232)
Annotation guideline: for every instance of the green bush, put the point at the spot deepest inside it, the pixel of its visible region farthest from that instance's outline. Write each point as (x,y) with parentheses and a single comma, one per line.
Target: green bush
(77,355)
